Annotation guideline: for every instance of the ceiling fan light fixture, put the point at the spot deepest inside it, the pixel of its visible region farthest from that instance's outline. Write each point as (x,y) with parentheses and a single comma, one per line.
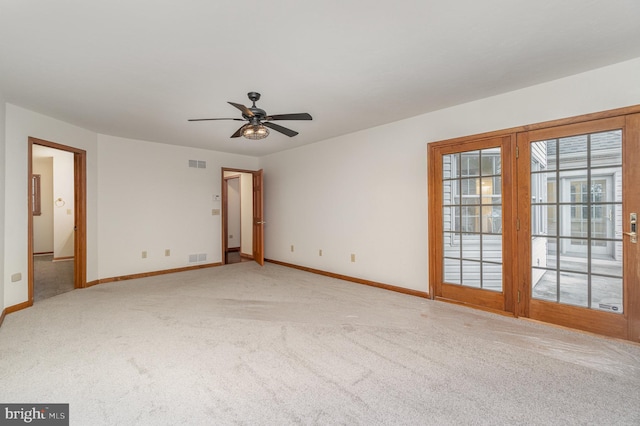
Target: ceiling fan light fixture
(255,131)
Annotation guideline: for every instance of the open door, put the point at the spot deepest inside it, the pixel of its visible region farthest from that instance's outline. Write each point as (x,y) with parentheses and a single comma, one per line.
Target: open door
(258,218)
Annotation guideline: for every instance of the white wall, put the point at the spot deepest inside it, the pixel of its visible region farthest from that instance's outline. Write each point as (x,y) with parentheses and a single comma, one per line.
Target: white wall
(64,204)
(366,193)
(150,200)
(43,224)
(20,124)
(2,202)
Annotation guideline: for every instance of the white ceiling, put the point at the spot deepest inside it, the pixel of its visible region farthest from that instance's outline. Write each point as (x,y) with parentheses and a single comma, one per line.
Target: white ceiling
(139,69)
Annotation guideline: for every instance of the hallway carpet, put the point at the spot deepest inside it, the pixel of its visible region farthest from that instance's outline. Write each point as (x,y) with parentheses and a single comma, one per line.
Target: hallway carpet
(51,278)
(248,345)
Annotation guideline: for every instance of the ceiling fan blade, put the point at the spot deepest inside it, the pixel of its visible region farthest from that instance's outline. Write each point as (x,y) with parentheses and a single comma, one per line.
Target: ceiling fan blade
(210,119)
(238,132)
(280,129)
(246,111)
(300,116)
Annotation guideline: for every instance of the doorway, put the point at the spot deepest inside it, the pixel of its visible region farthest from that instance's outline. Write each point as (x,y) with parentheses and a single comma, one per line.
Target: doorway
(540,222)
(242,216)
(57,219)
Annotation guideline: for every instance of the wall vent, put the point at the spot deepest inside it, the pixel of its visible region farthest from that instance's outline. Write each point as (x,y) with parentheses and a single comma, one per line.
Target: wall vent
(198,164)
(193,258)
(202,257)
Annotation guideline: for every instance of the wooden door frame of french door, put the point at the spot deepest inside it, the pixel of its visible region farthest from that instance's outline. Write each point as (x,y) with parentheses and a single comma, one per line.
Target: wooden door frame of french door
(225,217)
(80,212)
(484,299)
(627,324)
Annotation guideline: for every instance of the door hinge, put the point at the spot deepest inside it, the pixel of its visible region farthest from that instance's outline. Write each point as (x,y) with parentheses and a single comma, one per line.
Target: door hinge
(517,151)
(517,224)
(518,296)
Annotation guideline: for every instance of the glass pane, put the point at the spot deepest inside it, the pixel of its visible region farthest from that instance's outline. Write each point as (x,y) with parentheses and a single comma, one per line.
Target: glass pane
(471,274)
(492,277)
(490,161)
(606,220)
(470,191)
(450,192)
(491,190)
(492,247)
(543,154)
(608,265)
(451,218)
(573,221)
(606,294)
(470,163)
(576,261)
(543,252)
(573,152)
(471,246)
(451,243)
(574,289)
(492,219)
(543,188)
(452,271)
(470,219)
(544,284)
(450,167)
(552,154)
(544,220)
(573,187)
(606,148)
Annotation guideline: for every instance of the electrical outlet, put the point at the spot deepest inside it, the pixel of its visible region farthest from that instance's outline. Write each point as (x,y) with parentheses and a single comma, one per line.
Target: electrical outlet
(167,252)
(16,277)
(320,252)
(353,257)
(144,254)
(292,248)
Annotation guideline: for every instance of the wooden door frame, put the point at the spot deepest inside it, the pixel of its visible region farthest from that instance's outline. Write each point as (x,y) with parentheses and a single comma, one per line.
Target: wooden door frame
(225,217)
(80,212)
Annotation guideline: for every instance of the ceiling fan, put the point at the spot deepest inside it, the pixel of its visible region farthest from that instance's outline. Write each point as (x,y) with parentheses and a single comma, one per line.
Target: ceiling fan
(258,120)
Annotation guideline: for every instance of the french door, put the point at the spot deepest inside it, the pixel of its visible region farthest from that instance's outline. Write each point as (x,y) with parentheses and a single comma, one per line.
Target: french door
(541,223)
(471,196)
(578,196)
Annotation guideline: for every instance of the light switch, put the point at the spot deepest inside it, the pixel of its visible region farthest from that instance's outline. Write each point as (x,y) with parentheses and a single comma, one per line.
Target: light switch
(215,212)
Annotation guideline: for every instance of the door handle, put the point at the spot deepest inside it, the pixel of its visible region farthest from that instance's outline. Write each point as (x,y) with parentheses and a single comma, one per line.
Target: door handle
(260,223)
(633,219)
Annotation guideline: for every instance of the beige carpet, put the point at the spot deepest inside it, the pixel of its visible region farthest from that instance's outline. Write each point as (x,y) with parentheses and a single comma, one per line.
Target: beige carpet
(241,344)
